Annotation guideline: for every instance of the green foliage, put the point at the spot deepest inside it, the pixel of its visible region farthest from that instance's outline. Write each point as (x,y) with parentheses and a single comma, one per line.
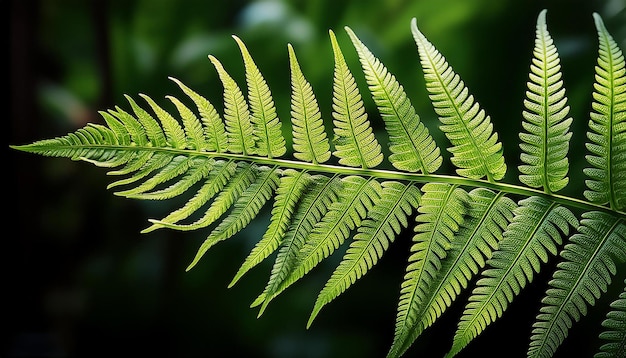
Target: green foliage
(614,331)
(467,226)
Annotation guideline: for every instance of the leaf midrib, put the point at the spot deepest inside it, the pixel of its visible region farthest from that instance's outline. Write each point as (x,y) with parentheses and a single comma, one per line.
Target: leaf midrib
(341,170)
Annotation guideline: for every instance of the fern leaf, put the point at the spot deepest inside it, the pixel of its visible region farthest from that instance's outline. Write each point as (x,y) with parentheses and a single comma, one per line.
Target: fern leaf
(92,143)
(193,127)
(315,204)
(614,329)
(441,213)
(239,129)
(117,135)
(133,163)
(136,132)
(213,127)
(153,129)
(174,168)
(245,209)
(383,223)
(476,150)
(546,140)
(529,240)
(143,168)
(174,133)
(411,145)
(589,261)
(267,126)
(487,218)
(199,169)
(217,179)
(122,134)
(607,126)
(354,140)
(243,177)
(310,142)
(290,189)
(355,200)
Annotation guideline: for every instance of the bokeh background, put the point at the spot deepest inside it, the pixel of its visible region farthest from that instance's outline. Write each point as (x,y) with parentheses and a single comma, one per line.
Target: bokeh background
(79,280)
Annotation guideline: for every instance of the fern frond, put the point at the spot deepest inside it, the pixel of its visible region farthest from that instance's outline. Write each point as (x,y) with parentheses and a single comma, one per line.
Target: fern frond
(476,150)
(607,126)
(357,197)
(213,126)
(384,221)
(529,240)
(614,329)
(310,142)
(227,169)
(355,143)
(589,261)
(239,129)
(315,204)
(267,126)
(488,216)
(290,190)
(411,145)
(546,137)
(245,209)
(441,212)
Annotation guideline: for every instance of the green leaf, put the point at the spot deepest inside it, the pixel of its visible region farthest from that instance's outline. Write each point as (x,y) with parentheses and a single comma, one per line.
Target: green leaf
(315,204)
(267,126)
(589,261)
(174,134)
(194,133)
(291,188)
(357,197)
(614,333)
(220,174)
(546,137)
(245,209)
(178,166)
(243,177)
(151,126)
(384,221)
(411,145)
(198,169)
(239,129)
(213,127)
(607,126)
(441,212)
(310,142)
(354,140)
(476,150)
(488,216)
(530,239)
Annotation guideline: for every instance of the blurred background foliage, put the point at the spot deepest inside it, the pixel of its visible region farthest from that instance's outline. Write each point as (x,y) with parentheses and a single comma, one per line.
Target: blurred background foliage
(78,278)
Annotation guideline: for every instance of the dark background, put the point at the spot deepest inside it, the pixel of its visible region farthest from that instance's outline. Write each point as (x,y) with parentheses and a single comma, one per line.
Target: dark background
(79,280)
